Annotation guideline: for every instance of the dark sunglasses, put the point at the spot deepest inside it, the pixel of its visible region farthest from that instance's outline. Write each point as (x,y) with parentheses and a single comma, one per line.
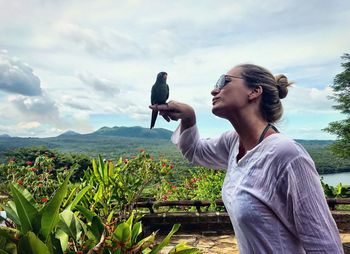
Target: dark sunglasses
(224,80)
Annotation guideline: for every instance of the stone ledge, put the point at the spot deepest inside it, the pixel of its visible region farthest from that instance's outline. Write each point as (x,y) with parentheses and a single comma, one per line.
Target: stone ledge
(212,223)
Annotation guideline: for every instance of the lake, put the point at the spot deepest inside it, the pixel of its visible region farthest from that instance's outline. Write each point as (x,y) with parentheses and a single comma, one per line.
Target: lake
(335,179)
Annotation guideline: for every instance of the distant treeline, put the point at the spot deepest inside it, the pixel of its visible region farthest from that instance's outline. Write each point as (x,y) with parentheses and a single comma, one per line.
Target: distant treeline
(112,147)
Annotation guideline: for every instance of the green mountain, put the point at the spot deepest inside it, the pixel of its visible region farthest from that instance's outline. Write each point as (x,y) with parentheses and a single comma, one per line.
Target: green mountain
(136,132)
(113,142)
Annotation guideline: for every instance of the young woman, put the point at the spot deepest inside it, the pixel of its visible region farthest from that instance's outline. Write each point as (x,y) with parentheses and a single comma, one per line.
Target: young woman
(271,191)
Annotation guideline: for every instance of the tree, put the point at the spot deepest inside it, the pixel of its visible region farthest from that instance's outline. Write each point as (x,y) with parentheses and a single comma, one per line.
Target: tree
(341,87)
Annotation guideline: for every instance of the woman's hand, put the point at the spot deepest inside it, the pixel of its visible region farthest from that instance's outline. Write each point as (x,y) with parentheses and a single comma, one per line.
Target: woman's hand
(174,110)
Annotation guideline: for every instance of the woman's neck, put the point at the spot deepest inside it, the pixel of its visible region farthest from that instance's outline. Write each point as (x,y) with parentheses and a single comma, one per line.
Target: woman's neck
(249,131)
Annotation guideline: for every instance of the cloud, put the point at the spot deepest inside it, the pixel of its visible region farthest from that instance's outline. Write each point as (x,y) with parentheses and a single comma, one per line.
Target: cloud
(304,99)
(28,125)
(104,86)
(17,77)
(36,108)
(103,42)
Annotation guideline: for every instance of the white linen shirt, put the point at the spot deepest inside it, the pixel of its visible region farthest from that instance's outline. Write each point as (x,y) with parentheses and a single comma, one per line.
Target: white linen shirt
(273,194)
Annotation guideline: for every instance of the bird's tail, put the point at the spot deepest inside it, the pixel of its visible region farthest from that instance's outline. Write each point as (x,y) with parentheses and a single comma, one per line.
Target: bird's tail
(154,118)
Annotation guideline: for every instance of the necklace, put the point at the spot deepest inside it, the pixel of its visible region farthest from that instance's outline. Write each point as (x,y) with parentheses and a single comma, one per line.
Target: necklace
(268,126)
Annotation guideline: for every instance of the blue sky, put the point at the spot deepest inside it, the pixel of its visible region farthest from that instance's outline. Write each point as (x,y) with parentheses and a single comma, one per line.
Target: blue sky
(81,65)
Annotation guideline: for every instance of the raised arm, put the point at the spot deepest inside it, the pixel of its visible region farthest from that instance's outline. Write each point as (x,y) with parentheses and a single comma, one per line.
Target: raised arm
(212,153)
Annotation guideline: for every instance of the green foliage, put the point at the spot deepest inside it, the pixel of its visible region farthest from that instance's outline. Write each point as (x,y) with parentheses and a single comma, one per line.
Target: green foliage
(37,177)
(53,161)
(63,226)
(339,191)
(115,187)
(200,184)
(341,87)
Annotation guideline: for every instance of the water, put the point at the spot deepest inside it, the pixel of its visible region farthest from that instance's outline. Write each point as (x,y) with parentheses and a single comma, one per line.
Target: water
(335,179)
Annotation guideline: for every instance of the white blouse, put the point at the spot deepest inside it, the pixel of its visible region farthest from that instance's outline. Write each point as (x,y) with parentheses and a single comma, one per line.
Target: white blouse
(273,194)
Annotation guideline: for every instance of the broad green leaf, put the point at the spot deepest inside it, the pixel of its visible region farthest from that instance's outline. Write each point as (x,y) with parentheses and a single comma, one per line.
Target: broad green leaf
(110,217)
(25,193)
(123,233)
(31,244)
(70,224)
(96,172)
(63,238)
(166,240)
(101,167)
(54,245)
(70,197)
(25,210)
(110,170)
(105,176)
(78,197)
(147,241)
(3,252)
(99,194)
(50,211)
(97,227)
(11,212)
(182,248)
(86,212)
(136,231)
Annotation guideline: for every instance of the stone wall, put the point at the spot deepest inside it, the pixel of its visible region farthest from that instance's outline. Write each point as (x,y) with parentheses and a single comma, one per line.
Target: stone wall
(212,223)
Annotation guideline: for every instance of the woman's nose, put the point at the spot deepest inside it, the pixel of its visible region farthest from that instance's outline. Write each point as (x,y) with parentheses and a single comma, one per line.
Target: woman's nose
(215,91)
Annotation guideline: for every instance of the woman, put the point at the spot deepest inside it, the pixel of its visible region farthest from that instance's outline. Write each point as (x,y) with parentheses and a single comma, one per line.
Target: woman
(271,191)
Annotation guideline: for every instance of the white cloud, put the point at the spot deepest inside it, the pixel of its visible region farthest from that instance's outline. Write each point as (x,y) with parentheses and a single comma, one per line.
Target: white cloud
(104,86)
(102,57)
(28,125)
(301,99)
(17,77)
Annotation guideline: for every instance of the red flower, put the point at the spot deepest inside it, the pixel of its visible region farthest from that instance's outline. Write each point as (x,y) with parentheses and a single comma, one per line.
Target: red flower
(164,165)
(20,182)
(171,166)
(44,200)
(165,198)
(29,163)
(34,169)
(141,151)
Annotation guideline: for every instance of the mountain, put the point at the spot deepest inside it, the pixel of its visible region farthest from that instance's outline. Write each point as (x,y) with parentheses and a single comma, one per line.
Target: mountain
(69,134)
(135,132)
(5,136)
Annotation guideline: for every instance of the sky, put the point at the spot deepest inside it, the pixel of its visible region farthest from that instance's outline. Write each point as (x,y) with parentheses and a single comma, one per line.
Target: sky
(81,65)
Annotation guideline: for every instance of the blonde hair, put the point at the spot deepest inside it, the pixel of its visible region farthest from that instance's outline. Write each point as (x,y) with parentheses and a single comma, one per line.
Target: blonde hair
(274,89)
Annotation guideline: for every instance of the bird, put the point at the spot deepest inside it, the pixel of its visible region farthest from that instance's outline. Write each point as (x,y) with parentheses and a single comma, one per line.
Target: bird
(159,94)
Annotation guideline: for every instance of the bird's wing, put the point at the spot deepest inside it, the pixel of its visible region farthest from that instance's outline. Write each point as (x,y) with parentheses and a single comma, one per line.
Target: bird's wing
(153,95)
(167,91)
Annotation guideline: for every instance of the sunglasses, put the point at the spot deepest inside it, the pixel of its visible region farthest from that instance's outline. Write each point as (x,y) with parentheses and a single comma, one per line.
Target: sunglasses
(224,80)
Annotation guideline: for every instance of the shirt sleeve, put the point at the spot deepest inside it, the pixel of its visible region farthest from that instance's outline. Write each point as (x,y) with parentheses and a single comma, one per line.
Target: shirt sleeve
(313,220)
(212,153)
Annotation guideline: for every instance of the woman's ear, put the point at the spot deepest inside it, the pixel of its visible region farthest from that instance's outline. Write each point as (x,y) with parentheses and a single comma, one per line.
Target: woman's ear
(255,93)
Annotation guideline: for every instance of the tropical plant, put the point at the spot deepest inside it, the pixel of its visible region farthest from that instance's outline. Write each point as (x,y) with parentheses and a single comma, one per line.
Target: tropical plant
(31,228)
(115,187)
(56,229)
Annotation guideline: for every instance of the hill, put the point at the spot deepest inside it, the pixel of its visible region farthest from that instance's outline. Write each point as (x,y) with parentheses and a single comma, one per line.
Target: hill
(127,141)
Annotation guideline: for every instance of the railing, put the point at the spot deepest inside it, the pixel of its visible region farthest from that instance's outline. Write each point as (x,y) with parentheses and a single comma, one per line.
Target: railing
(151,205)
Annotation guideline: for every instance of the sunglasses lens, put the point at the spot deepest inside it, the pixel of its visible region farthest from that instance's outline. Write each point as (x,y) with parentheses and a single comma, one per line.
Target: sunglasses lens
(221,82)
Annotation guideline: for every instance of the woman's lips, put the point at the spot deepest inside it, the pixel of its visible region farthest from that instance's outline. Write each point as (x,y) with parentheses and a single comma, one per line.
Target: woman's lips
(214,100)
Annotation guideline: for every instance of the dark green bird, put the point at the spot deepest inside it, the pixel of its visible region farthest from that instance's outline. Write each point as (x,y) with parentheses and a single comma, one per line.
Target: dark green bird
(159,94)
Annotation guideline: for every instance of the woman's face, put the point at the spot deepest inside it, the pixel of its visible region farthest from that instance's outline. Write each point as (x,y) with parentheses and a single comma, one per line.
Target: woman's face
(232,97)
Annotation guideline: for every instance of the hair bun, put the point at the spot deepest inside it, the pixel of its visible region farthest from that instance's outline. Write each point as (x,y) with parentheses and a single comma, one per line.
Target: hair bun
(282,85)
